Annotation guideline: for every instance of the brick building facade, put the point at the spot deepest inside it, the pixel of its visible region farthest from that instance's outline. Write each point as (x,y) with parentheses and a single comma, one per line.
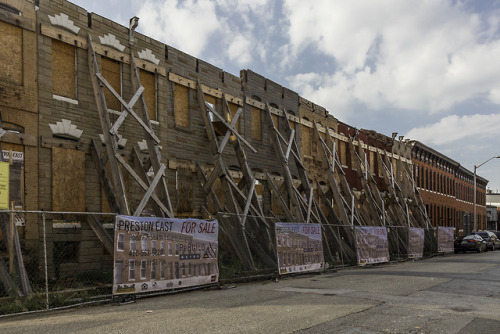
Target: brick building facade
(49,112)
(447,189)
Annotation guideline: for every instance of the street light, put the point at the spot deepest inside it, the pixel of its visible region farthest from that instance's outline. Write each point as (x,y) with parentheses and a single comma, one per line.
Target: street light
(475,169)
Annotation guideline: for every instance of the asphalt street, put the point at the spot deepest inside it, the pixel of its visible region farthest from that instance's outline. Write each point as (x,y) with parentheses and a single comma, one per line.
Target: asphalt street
(445,294)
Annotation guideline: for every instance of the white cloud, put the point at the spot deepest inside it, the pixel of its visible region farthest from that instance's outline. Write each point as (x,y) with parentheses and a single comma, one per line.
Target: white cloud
(238,50)
(187,25)
(426,56)
(455,128)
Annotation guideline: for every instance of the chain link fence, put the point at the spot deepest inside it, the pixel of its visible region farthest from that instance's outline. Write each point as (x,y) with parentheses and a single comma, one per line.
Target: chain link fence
(53,260)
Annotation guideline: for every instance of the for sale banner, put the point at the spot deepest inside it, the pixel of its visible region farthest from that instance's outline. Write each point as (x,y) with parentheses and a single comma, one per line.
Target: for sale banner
(445,239)
(154,253)
(371,244)
(416,243)
(299,247)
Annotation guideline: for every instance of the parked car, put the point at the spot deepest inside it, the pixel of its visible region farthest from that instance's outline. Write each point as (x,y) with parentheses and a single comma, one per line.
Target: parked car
(497,233)
(491,239)
(471,242)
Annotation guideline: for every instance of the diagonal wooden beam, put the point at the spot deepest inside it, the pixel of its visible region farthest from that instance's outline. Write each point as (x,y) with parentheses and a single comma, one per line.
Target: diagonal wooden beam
(104,178)
(228,132)
(230,127)
(153,144)
(290,142)
(212,138)
(111,145)
(247,205)
(143,185)
(149,192)
(215,174)
(282,202)
(128,108)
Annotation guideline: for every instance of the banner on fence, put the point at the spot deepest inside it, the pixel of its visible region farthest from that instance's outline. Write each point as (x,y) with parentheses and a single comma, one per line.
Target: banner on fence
(154,253)
(416,242)
(371,244)
(299,247)
(445,239)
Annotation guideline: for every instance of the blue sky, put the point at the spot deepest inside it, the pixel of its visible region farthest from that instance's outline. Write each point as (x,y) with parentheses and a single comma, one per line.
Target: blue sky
(427,69)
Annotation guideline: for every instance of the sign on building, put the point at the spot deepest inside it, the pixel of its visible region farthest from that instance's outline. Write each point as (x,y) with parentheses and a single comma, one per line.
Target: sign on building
(154,253)
(15,163)
(299,247)
(445,239)
(416,242)
(371,244)
(4,185)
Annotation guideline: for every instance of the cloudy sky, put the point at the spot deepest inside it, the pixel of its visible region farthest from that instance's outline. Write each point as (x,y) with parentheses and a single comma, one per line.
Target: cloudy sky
(427,69)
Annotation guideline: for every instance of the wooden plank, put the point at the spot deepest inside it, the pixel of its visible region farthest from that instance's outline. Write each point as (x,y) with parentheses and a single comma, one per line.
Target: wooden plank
(18,20)
(247,174)
(20,138)
(215,92)
(239,192)
(149,192)
(228,132)
(309,205)
(289,148)
(101,233)
(284,166)
(214,146)
(153,145)
(63,36)
(124,113)
(128,108)
(111,145)
(284,205)
(214,174)
(141,168)
(255,103)
(143,185)
(104,178)
(230,127)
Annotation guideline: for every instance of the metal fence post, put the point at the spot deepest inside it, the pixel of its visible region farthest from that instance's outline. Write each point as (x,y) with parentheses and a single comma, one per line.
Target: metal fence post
(45,260)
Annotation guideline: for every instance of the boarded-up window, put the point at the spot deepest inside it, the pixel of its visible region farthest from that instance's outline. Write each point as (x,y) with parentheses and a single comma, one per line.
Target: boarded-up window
(11,53)
(68,180)
(181,106)
(211,99)
(148,81)
(275,121)
(110,69)
(63,69)
(256,123)
(343,153)
(184,189)
(233,108)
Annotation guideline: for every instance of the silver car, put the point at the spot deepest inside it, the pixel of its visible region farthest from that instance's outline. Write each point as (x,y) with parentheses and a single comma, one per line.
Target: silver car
(491,239)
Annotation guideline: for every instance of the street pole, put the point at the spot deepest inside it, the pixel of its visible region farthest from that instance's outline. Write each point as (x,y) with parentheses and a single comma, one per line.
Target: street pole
(475,187)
